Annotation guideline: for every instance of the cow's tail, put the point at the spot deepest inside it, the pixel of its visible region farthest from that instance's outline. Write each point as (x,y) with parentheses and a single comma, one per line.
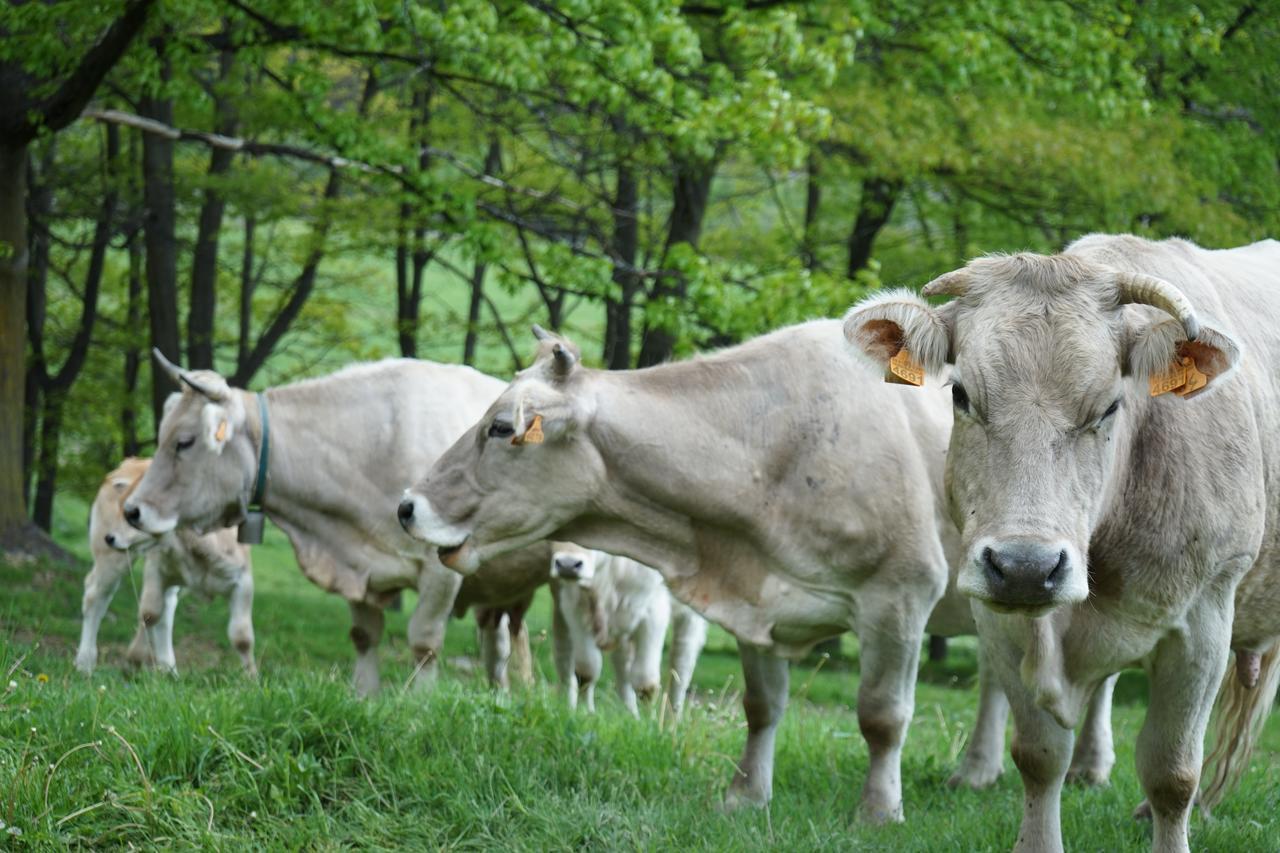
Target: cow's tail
(1241,714)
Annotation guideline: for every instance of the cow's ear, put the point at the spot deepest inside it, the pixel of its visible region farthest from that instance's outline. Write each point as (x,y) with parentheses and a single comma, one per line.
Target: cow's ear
(901,334)
(218,428)
(1160,353)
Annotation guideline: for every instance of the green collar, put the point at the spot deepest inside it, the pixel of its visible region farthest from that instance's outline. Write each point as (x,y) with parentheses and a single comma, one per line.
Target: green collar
(264,455)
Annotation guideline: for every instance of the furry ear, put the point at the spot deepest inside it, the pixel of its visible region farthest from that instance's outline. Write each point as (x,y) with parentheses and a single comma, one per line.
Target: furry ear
(881,326)
(217,426)
(1156,348)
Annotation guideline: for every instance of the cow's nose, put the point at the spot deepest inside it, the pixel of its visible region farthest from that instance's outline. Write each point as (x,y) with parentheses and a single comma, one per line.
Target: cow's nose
(405,512)
(111,539)
(569,568)
(133,515)
(1024,573)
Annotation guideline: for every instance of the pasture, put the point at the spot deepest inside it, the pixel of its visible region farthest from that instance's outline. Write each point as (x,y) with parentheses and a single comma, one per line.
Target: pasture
(210,760)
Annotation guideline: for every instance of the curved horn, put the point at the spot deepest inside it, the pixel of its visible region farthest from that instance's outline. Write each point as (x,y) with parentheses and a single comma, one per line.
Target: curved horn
(175,372)
(1141,289)
(954,283)
(564,359)
(216,397)
(541,333)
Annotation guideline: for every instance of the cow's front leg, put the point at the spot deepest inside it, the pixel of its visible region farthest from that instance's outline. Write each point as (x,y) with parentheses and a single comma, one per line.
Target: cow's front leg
(240,623)
(521,665)
(622,656)
(1095,754)
(366,632)
(100,587)
(764,700)
(646,664)
(688,636)
(437,590)
(562,649)
(160,632)
(1185,671)
(983,760)
(495,645)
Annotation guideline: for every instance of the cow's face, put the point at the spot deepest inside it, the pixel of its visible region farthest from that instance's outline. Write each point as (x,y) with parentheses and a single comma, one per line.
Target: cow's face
(108,531)
(204,464)
(1043,361)
(572,563)
(521,473)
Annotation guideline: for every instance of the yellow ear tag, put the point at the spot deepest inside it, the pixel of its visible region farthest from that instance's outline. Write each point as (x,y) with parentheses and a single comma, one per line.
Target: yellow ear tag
(532,435)
(904,370)
(221,434)
(1182,378)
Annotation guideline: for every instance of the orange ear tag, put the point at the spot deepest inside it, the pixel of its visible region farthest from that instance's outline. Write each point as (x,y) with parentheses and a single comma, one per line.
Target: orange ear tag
(1182,378)
(221,434)
(1195,379)
(904,370)
(532,435)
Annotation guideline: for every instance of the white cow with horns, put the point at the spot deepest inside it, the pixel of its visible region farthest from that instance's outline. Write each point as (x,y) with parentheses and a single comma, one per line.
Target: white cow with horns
(782,489)
(1115,473)
(322,456)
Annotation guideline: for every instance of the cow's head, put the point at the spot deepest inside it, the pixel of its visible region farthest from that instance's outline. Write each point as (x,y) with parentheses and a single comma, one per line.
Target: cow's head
(205,462)
(525,470)
(108,531)
(572,563)
(1049,371)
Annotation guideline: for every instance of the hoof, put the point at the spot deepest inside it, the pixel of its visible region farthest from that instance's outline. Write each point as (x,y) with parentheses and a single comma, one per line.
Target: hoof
(85,665)
(880,814)
(976,778)
(737,799)
(1091,774)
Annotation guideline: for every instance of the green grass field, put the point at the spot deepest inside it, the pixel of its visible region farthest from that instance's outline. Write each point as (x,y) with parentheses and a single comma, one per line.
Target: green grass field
(210,760)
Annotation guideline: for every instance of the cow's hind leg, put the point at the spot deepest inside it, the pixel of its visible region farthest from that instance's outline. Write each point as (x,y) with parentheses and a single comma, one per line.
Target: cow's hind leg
(495,645)
(1095,753)
(366,632)
(764,701)
(646,665)
(521,666)
(1185,671)
(622,656)
(160,633)
(983,760)
(562,648)
(437,590)
(688,636)
(100,587)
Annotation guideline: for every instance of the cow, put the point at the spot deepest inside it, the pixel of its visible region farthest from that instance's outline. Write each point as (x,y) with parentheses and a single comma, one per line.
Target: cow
(214,564)
(1114,470)
(609,603)
(782,490)
(335,447)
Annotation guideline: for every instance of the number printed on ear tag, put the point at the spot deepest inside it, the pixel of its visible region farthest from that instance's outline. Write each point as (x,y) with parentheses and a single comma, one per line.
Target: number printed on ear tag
(904,370)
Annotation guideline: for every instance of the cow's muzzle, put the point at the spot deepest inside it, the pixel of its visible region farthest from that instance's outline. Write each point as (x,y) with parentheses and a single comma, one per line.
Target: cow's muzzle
(1023,574)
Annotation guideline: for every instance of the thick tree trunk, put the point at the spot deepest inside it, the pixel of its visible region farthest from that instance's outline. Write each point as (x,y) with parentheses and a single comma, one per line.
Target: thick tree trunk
(13,310)
(248,282)
(492,165)
(624,248)
(47,465)
(691,191)
(132,352)
(874,209)
(204,263)
(412,254)
(161,247)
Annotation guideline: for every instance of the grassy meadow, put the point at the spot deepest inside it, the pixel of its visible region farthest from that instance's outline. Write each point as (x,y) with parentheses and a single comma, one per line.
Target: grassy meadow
(295,761)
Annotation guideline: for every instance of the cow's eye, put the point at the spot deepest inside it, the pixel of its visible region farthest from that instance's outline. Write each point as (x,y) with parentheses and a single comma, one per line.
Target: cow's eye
(959,396)
(1111,410)
(501,429)
(184,443)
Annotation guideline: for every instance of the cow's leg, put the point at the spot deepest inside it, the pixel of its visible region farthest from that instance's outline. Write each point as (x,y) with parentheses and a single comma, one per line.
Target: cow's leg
(240,623)
(587,664)
(562,648)
(1041,751)
(764,700)
(1095,754)
(983,760)
(1185,671)
(437,590)
(160,632)
(890,628)
(100,587)
(688,636)
(366,632)
(622,655)
(495,645)
(521,665)
(646,666)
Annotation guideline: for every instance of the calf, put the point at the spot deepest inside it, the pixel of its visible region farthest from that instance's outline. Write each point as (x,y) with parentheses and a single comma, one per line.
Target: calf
(213,563)
(1114,470)
(614,604)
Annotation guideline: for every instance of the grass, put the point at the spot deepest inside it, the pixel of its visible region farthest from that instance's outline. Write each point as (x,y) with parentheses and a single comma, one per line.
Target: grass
(210,760)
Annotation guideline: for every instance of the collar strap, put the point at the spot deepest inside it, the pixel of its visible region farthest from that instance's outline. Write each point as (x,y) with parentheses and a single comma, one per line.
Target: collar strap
(264,455)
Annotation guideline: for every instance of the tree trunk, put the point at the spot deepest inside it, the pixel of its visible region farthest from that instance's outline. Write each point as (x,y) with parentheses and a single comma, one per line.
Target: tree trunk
(937,648)
(13,310)
(691,191)
(204,262)
(248,283)
(132,352)
(492,165)
(624,248)
(412,254)
(812,202)
(161,246)
(47,465)
(874,209)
